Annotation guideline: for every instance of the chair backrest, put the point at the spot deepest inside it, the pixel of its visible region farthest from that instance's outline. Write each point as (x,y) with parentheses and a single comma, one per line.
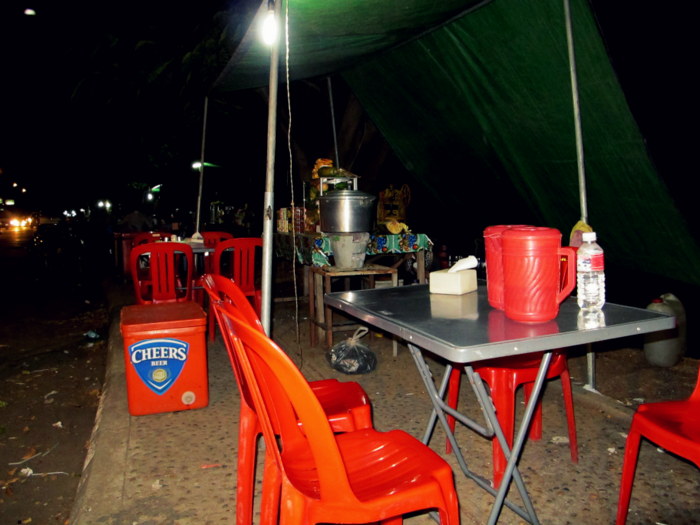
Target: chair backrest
(222,288)
(211,239)
(236,258)
(145,237)
(282,398)
(162,272)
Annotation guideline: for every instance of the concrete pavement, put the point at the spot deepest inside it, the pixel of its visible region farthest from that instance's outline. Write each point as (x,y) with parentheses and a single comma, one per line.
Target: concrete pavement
(179,467)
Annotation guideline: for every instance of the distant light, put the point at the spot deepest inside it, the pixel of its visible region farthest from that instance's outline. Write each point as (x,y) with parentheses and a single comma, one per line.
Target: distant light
(269,29)
(149,196)
(10,202)
(24,190)
(100,204)
(29,12)
(196,165)
(156,188)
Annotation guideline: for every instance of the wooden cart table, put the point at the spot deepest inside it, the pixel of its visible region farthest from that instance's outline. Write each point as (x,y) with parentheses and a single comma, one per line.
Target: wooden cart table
(322,276)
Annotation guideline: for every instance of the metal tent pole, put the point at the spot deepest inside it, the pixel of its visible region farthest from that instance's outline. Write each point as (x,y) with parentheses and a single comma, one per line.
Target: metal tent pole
(577,114)
(335,135)
(269,201)
(196,234)
(590,355)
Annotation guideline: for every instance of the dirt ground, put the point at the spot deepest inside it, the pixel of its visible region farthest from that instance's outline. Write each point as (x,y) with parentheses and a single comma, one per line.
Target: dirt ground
(52,360)
(48,398)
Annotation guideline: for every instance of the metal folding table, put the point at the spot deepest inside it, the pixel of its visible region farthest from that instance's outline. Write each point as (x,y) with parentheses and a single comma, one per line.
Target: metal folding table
(464,329)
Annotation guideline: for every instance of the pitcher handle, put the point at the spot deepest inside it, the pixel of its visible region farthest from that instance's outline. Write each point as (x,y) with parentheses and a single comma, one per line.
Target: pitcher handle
(570,282)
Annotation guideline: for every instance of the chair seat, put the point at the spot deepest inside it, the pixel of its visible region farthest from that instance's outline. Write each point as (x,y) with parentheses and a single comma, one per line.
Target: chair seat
(342,403)
(671,425)
(383,464)
(392,473)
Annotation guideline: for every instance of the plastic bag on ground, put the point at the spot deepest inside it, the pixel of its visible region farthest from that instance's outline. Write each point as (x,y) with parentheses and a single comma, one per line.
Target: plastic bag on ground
(352,357)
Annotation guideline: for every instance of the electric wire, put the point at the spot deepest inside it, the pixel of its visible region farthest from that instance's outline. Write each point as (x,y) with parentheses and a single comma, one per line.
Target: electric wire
(291,180)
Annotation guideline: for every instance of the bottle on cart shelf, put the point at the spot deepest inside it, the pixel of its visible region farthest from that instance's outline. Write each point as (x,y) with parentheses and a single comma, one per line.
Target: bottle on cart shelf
(590,274)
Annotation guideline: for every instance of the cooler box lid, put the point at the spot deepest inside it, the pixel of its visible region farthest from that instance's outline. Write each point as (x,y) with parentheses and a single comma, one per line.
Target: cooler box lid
(161,316)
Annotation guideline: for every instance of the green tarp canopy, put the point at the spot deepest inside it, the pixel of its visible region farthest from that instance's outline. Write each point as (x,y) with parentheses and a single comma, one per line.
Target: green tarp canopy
(475,100)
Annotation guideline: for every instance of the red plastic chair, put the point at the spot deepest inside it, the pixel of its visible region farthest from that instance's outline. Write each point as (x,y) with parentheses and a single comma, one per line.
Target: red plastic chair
(235,258)
(345,404)
(162,272)
(355,477)
(146,237)
(672,425)
(211,239)
(504,376)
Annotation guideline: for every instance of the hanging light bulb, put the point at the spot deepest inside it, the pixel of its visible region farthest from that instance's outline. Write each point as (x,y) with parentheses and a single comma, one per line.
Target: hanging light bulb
(269,30)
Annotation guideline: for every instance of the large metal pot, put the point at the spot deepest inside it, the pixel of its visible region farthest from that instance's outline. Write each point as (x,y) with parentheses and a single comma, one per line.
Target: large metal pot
(346,211)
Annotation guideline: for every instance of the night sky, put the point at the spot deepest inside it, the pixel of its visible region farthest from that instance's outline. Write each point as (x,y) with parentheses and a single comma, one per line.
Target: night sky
(97,96)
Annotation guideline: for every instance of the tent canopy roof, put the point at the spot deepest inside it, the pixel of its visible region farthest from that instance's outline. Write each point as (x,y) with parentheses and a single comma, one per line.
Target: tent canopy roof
(326,37)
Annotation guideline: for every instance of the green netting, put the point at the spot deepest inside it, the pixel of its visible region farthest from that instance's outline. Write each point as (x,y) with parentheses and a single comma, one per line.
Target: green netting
(480,111)
(485,102)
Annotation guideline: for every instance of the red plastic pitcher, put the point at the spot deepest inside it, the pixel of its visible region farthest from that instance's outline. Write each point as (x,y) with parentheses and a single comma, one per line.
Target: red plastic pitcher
(533,262)
(494,262)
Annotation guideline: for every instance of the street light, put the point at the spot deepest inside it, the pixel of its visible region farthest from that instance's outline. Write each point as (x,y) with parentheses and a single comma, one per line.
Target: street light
(269,28)
(197,165)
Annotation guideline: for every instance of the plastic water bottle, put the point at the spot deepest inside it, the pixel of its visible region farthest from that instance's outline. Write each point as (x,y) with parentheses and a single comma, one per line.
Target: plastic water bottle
(590,274)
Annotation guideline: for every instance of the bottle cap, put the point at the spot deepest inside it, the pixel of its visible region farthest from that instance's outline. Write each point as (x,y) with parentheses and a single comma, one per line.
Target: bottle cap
(588,236)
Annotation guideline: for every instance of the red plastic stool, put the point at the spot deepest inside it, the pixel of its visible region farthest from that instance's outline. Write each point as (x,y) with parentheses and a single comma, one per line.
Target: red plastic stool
(504,376)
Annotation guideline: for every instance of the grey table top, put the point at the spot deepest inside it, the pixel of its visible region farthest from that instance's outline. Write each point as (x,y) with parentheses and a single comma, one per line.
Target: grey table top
(465,328)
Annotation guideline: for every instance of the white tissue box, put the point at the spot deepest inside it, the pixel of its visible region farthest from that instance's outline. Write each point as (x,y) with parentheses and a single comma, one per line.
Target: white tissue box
(453,283)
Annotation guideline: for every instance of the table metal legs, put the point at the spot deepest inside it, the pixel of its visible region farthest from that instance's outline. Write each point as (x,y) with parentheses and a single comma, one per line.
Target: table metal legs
(590,366)
(440,408)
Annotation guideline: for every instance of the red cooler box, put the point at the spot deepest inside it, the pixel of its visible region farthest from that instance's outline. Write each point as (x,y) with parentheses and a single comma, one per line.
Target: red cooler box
(165,355)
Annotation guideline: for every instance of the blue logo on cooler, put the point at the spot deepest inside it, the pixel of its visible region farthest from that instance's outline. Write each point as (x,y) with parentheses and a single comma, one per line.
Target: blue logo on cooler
(159,362)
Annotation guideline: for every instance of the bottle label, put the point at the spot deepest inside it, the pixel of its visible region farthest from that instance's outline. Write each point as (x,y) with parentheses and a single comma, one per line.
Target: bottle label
(597,262)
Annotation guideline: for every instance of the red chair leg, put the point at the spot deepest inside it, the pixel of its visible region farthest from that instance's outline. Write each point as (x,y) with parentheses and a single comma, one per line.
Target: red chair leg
(570,416)
(629,467)
(503,395)
(212,322)
(245,481)
(452,399)
(535,432)
(257,301)
(272,482)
